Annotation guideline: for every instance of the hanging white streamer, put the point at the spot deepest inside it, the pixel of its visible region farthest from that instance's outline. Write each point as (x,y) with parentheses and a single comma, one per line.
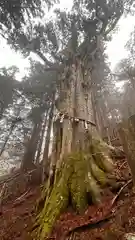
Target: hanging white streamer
(86,125)
(76,120)
(62,119)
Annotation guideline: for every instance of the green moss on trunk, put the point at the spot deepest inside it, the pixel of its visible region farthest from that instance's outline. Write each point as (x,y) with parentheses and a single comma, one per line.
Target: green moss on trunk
(79,174)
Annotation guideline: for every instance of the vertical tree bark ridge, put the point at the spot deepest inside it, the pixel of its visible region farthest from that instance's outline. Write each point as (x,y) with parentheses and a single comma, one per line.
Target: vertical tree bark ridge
(81,158)
(44,123)
(47,142)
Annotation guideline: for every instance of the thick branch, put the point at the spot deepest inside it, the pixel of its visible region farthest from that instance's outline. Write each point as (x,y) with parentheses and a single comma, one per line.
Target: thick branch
(56,57)
(51,66)
(48,63)
(113,25)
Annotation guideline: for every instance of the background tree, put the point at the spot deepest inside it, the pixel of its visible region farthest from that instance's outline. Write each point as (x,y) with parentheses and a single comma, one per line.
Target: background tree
(125,71)
(8,85)
(29,102)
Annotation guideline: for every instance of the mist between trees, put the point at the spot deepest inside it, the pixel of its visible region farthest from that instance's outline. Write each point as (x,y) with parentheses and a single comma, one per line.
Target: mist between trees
(63,116)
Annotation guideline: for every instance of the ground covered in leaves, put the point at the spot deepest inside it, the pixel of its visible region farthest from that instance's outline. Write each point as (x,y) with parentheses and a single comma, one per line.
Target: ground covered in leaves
(109,220)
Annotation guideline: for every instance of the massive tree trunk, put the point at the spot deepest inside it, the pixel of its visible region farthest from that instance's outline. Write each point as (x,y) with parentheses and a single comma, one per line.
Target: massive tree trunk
(79,158)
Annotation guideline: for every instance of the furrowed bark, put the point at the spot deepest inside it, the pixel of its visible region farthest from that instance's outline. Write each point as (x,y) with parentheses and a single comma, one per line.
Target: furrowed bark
(80,159)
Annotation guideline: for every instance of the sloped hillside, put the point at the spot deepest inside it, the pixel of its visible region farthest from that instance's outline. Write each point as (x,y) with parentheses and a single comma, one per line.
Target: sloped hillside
(109,220)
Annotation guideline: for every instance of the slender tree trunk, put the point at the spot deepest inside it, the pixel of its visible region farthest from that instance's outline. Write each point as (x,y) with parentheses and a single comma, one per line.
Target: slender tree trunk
(95,112)
(47,141)
(41,139)
(28,159)
(79,157)
(132,80)
(127,135)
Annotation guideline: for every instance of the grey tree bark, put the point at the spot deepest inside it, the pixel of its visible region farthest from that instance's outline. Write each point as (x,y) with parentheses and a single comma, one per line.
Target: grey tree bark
(79,159)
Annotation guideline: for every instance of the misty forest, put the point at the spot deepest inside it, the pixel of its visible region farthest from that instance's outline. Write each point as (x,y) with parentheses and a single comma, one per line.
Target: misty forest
(67,120)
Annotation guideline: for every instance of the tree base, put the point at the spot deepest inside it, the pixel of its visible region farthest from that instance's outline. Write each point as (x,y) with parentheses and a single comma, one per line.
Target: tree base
(80,176)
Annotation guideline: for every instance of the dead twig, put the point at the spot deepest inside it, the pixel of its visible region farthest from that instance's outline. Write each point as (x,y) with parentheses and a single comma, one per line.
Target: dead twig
(21,199)
(22,196)
(10,178)
(120,191)
(2,191)
(2,194)
(122,165)
(93,225)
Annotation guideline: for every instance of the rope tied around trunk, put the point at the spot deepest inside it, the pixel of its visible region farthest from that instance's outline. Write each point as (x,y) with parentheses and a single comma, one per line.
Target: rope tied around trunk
(63,116)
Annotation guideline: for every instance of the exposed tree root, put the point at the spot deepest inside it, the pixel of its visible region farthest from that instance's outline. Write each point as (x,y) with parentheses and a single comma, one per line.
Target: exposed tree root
(120,191)
(81,174)
(116,152)
(91,225)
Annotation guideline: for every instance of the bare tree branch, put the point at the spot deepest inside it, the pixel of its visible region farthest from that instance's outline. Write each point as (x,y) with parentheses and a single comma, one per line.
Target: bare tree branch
(49,63)
(113,25)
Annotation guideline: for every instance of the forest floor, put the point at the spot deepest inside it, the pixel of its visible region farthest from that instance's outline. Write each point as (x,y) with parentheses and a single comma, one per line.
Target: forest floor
(110,220)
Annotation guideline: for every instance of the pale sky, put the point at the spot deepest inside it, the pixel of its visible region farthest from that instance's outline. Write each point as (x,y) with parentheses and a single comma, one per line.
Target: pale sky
(115,48)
